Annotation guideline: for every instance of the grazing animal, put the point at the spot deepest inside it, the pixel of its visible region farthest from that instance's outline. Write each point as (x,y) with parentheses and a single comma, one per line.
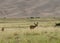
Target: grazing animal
(34,26)
(57,24)
(2,29)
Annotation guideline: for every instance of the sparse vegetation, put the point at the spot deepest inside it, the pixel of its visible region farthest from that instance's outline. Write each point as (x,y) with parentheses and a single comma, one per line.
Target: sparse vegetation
(17,31)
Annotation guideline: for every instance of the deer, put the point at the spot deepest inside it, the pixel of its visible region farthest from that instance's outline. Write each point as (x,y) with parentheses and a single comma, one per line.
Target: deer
(34,26)
(57,24)
(2,29)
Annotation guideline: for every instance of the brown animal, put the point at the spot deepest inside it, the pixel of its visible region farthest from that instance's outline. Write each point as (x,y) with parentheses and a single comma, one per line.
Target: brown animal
(34,26)
(57,24)
(2,29)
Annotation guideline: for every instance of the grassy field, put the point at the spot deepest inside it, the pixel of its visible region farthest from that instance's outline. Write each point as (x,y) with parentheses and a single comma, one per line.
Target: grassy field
(18,31)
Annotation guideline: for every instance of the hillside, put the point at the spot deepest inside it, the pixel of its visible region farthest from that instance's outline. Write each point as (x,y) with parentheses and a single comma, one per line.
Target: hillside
(27,8)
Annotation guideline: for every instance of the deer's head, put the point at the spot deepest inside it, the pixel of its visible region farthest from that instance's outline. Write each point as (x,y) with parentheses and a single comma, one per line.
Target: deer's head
(36,24)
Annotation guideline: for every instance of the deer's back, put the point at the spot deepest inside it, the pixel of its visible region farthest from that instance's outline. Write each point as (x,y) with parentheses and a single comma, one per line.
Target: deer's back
(32,27)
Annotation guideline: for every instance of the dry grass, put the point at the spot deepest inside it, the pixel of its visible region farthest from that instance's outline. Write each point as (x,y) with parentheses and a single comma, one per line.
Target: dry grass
(19,32)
